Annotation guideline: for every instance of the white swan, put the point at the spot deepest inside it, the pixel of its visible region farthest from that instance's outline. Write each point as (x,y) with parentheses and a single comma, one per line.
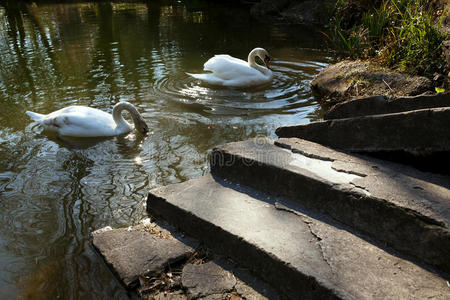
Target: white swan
(233,72)
(83,121)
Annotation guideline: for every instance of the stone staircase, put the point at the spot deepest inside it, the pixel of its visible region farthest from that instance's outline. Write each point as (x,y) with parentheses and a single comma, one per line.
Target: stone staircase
(318,223)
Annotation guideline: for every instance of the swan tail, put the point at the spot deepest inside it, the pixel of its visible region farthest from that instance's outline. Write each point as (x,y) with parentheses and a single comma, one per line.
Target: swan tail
(35,116)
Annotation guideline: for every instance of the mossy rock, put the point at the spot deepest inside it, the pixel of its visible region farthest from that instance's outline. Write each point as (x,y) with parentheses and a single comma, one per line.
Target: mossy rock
(355,79)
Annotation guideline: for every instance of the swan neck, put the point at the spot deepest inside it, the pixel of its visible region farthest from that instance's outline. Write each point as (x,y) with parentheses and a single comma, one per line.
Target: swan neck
(252,62)
(251,59)
(117,114)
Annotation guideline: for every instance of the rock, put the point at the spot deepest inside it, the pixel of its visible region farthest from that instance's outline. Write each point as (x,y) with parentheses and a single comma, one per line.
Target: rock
(139,250)
(377,105)
(206,280)
(420,132)
(293,12)
(220,279)
(349,79)
(179,295)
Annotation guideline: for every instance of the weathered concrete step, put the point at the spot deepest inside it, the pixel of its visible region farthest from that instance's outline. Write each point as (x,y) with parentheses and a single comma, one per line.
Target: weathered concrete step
(305,257)
(377,105)
(404,208)
(419,131)
(145,249)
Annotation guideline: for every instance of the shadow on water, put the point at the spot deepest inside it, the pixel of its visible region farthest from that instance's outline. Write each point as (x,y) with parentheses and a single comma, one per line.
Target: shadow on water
(54,192)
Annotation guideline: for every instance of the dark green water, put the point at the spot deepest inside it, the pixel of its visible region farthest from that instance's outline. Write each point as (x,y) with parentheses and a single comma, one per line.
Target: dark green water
(53,193)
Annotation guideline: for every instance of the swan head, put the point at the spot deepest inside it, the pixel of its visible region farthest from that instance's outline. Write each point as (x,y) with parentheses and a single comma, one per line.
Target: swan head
(267,60)
(262,54)
(140,125)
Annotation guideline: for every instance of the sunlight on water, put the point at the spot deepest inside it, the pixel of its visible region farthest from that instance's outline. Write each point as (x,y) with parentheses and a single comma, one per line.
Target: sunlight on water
(54,191)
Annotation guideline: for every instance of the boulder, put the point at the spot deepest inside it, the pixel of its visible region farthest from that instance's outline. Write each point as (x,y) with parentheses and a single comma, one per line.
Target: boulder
(355,79)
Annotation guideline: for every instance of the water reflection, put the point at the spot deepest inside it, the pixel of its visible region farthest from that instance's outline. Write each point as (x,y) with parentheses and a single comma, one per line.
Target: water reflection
(53,192)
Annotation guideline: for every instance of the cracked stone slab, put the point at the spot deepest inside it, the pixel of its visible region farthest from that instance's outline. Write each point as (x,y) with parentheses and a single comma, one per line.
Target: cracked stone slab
(420,131)
(301,255)
(396,205)
(144,249)
(377,105)
(207,279)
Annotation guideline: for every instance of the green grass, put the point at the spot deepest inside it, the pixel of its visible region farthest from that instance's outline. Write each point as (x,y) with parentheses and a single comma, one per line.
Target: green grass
(402,34)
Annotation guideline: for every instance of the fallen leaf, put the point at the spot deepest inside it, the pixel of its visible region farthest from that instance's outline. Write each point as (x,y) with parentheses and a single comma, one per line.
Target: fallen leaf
(439,90)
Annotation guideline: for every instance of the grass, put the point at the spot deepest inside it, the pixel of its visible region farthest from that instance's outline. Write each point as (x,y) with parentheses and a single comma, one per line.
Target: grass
(402,34)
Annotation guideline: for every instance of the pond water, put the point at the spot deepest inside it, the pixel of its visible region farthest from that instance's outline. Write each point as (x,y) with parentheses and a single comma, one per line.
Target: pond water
(53,193)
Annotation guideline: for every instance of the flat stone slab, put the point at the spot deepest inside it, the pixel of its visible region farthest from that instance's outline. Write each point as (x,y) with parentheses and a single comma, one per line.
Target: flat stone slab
(207,279)
(304,256)
(419,131)
(377,105)
(220,279)
(143,249)
(399,206)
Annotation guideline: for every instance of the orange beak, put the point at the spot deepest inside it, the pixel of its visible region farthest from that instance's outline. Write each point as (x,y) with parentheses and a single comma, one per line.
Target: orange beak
(266,61)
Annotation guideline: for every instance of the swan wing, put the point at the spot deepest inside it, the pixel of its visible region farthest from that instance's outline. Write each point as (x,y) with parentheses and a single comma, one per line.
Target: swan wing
(221,59)
(80,121)
(227,67)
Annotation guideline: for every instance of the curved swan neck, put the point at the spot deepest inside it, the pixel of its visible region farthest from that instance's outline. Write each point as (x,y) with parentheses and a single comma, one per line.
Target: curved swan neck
(117,114)
(251,58)
(252,63)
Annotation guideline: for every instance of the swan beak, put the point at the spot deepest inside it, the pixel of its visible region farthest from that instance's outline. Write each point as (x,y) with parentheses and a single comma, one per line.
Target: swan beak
(145,129)
(142,127)
(266,61)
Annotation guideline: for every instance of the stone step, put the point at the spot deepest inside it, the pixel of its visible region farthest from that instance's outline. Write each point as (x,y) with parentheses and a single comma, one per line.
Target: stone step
(396,205)
(419,131)
(377,105)
(304,256)
(144,249)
